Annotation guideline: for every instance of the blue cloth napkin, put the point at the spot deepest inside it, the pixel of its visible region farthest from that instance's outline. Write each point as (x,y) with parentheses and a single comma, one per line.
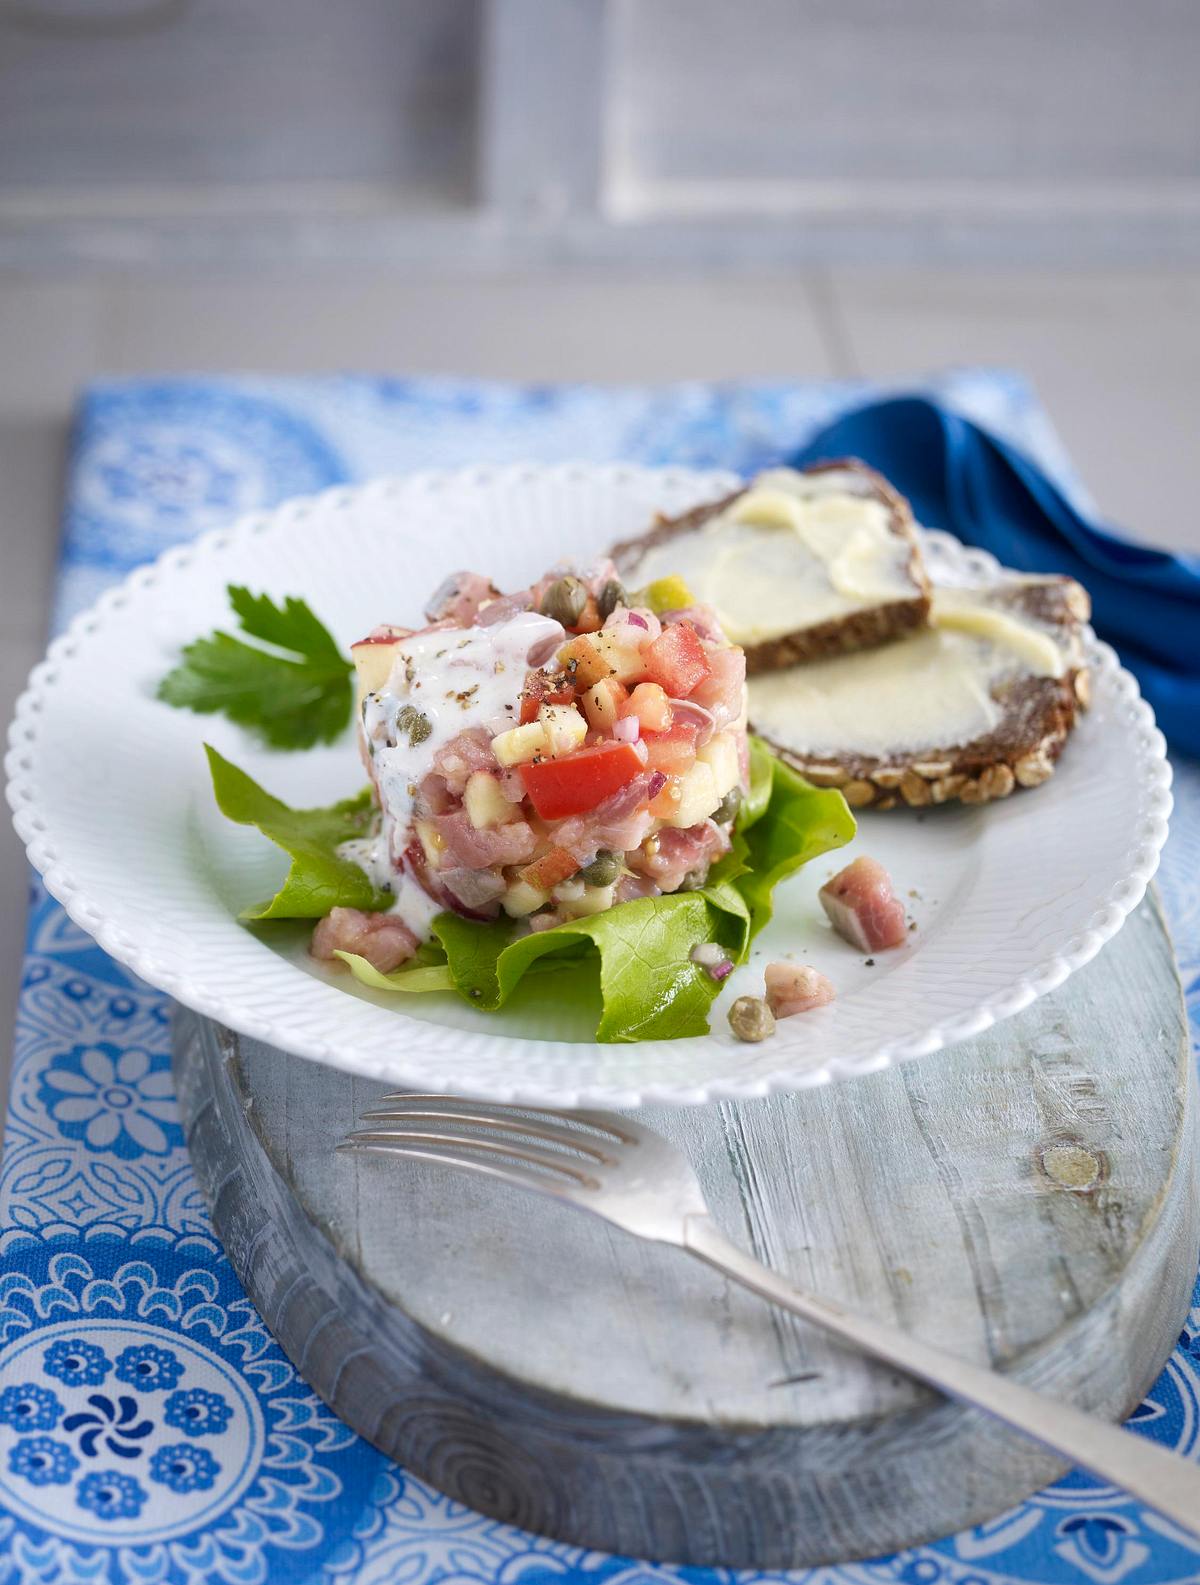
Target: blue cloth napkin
(1146,603)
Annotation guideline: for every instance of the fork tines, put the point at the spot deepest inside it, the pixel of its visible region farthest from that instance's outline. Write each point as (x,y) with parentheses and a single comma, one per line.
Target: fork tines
(543,1149)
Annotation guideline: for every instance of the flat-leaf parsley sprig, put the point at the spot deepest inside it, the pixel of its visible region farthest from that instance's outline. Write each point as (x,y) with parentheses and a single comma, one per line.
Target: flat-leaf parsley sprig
(294,694)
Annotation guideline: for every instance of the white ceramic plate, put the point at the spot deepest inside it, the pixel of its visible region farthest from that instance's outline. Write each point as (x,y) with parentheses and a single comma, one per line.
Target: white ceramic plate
(110,794)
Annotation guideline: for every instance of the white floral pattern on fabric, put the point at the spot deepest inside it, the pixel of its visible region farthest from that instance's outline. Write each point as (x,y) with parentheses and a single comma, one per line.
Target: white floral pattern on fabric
(150,1429)
(112,1099)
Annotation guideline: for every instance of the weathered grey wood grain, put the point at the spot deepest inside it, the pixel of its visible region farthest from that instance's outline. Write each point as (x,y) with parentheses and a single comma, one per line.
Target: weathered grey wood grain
(1028,1198)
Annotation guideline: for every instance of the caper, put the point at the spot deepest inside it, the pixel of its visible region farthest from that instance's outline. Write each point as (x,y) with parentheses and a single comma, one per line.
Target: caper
(751,1019)
(414,723)
(603,870)
(564,600)
(611,596)
(727,809)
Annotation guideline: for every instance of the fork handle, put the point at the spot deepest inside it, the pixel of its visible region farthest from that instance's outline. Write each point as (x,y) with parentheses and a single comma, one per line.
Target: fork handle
(1154,1475)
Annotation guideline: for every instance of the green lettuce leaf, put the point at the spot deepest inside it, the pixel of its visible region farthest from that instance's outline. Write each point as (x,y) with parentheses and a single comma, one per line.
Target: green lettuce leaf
(787,821)
(649,986)
(292,695)
(318,879)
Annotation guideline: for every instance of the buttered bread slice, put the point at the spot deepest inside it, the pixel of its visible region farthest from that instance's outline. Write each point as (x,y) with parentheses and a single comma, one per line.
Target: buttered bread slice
(798,566)
(977,704)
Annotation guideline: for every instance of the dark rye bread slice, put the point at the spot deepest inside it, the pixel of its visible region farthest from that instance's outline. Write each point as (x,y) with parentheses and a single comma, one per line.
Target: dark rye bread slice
(1038,713)
(864,628)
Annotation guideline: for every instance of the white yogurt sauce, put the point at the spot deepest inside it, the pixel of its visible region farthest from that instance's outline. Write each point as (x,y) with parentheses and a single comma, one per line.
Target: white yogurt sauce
(447,682)
(795,550)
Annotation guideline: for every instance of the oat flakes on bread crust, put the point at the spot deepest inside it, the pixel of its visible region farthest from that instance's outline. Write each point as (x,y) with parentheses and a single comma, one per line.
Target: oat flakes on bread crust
(1038,715)
(864,628)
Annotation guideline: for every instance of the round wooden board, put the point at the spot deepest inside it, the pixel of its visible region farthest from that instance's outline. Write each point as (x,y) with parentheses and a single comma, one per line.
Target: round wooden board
(1028,1198)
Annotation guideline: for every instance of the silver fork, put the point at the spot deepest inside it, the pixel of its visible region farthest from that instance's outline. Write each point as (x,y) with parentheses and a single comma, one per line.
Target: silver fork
(632,1177)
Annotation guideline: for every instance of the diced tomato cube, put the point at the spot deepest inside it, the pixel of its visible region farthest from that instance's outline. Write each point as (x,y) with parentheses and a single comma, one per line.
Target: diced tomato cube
(677,660)
(578,782)
(672,751)
(552,867)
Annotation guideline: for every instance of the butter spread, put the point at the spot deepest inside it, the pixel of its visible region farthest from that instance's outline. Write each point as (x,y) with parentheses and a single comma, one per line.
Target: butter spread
(794,550)
(931,690)
(958,610)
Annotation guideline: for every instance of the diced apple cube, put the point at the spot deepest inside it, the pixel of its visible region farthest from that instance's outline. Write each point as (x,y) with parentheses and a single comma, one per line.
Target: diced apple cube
(698,797)
(602,703)
(583,661)
(521,898)
(623,660)
(720,754)
(564,727)
(520,744)
(374,658)
(666,800)
(485,802)
(432,842)
(595,900)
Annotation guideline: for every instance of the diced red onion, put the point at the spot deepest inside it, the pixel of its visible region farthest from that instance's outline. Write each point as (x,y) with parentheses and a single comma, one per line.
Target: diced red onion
(628,729)
(631,887)
(712,959)
(647,624)
(701,617)
(657,782)
(473,888)
(441,596)
(689,710)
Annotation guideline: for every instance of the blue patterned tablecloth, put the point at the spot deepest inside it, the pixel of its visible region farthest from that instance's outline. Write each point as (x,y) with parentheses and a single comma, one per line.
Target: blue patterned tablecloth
(150,1429)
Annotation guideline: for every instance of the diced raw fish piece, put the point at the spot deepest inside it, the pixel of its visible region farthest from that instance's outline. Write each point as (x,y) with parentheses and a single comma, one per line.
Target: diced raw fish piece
(863,907)
(459,597)
(679,852)
(385,941)
(473,849)
(796,988)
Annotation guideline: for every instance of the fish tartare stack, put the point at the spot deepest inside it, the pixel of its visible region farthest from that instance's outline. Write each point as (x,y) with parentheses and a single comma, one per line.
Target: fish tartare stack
(545,755)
